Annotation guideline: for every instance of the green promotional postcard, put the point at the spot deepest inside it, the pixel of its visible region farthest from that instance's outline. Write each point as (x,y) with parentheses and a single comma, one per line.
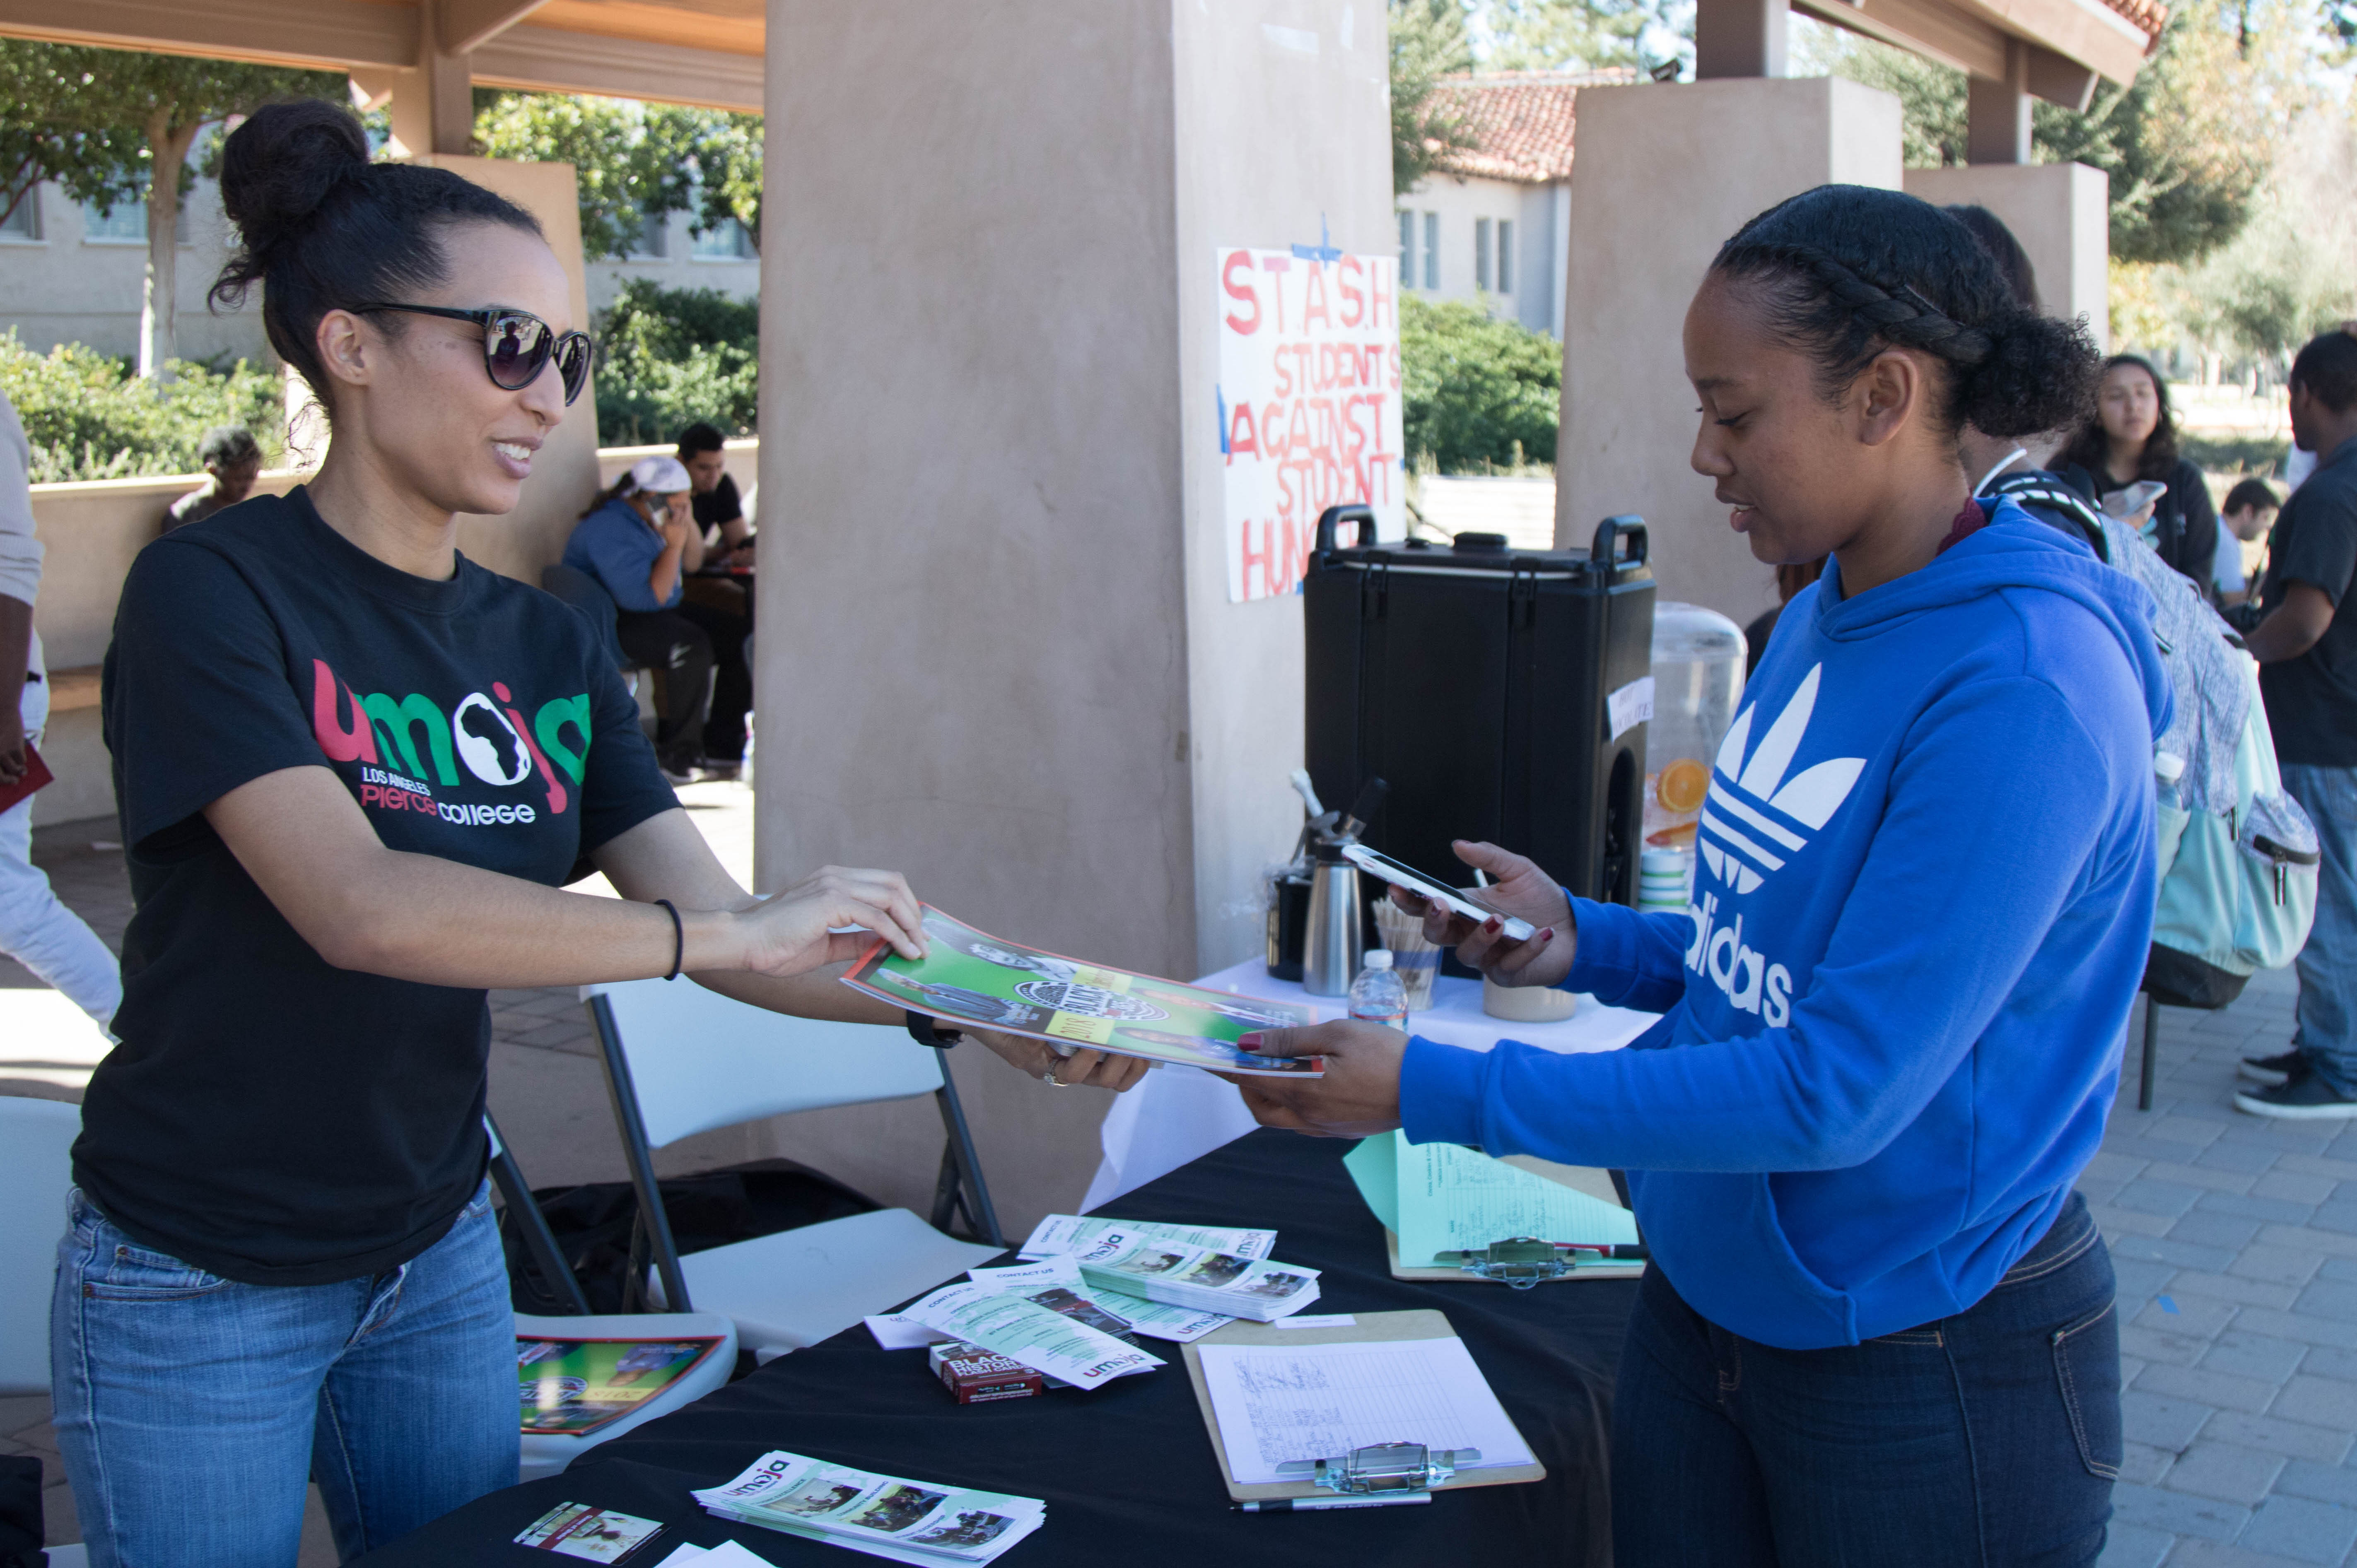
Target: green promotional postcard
(971,977)
(575,1386)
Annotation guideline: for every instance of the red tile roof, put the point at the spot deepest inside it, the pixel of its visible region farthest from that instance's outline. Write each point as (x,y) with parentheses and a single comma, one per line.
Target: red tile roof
(2150,16)
(1522,121)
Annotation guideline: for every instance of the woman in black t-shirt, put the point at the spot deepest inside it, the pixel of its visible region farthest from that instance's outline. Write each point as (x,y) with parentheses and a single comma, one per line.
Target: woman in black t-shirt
(354,770)
(2132,436)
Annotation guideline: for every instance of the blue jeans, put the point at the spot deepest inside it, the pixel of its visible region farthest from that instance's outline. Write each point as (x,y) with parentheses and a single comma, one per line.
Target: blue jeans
(2327,964)
(1992,1437)
(191,1409)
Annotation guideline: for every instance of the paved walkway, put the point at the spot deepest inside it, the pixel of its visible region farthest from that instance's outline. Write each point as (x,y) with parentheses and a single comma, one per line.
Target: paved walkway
(2235,1240)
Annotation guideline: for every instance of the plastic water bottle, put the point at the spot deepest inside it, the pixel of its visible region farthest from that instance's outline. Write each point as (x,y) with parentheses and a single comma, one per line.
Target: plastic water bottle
(2168,772)
(1377,995)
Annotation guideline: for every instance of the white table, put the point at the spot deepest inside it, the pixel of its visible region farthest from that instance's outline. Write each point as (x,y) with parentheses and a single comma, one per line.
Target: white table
(1181,1113)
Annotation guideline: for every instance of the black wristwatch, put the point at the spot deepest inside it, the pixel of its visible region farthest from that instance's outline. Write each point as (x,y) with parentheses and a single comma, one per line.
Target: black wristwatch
(926,1030)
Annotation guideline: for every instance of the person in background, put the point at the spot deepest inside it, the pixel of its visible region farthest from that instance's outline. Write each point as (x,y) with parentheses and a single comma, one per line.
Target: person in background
(2250,510)
(35,930)
(2002,465)
(1790,580)
(716,504)
(234,459)
(2308,674)
(1879,1323)
(641,541)
(2133,437)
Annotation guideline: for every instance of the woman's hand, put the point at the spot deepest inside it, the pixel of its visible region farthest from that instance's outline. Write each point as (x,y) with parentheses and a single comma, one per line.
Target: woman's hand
(804,927)
(1036,1058)
(1517,887)
(1359,1096)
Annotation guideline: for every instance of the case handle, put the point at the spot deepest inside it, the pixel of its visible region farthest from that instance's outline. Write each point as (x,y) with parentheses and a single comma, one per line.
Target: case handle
(1362,514)
(1604,554)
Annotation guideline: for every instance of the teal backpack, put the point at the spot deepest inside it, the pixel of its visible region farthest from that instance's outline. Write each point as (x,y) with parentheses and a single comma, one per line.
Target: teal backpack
(2238,889)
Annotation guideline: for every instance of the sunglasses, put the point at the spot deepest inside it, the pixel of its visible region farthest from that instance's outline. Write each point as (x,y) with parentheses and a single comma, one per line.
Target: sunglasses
(518,345)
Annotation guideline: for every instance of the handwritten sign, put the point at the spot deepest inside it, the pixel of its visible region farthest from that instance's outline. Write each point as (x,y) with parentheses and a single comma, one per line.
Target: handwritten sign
(1310,406)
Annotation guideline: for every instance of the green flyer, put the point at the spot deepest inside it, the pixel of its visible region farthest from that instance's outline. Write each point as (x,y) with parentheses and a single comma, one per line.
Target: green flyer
(971,977)
(575,1386)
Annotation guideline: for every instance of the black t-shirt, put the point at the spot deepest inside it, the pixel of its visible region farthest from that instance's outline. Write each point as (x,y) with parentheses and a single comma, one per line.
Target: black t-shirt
(267,1116)
(721,505)
(2312,700)
(2185,524)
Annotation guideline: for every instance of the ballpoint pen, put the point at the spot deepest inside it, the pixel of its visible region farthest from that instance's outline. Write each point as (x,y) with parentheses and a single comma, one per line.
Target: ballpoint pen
(1298,1505)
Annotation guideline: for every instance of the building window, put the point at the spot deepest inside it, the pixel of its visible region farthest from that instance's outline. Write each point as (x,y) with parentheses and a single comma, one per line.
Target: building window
(1408,248)
(652,242)
(1505,255)
(127,224)
(23,226)
(1482,254)
(1432,250)
(726,242)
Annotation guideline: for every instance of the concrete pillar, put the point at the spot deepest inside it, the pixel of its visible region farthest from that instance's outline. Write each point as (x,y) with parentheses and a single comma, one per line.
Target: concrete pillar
(432,104)
(1665,174)
(2062,215)
(995,649)
(1739,39)
(1997,112)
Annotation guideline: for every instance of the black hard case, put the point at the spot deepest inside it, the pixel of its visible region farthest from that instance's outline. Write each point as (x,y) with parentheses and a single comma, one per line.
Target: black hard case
(1474,680)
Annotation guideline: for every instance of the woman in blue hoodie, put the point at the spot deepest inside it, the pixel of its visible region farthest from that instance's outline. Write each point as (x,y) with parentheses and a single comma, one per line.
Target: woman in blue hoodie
(1879,1326)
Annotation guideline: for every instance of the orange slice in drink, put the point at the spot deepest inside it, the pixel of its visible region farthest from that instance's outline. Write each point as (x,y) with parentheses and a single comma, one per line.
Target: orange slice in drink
(1683,785)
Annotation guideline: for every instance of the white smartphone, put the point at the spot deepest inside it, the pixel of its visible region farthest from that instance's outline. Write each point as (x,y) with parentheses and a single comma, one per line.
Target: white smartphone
(1385,868)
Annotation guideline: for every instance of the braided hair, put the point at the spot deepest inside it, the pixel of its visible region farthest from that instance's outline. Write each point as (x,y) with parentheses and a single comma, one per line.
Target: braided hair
(1846,272)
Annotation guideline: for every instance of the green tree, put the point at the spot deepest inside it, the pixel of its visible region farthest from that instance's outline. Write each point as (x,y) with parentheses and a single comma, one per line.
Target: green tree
(1475,391)
(1587,35)
(1429,41)
(667,358)
(87,417)
(633,161)
(119,122)
(2186,145)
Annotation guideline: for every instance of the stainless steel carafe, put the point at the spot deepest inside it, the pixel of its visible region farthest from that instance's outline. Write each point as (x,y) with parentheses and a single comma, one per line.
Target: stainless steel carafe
(1335,937)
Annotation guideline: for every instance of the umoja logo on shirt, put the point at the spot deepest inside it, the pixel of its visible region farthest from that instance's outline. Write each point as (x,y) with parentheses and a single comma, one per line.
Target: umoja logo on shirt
(1753,819)
(491,739)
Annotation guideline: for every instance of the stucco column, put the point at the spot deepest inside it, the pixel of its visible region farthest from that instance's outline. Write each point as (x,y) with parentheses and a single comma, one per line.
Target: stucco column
(995,650)
(1665,174)
(1997,112)
(2062,215)
(1739,38)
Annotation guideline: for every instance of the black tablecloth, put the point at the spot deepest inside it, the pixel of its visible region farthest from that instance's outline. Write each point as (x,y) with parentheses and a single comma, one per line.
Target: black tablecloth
(1127,1471)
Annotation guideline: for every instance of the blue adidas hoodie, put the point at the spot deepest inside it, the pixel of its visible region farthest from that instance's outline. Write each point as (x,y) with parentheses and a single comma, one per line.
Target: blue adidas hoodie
(1892,1014)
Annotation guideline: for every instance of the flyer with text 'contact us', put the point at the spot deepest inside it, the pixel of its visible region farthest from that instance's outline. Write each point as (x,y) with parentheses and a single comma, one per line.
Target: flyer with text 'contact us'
(972,977)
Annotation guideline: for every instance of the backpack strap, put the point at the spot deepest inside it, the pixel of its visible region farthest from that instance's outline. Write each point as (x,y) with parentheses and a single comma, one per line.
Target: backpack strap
(2056,504)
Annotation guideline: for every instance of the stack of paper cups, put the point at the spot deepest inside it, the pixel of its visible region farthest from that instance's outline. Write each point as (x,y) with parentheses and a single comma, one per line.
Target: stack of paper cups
(1661,879)
(1416,960)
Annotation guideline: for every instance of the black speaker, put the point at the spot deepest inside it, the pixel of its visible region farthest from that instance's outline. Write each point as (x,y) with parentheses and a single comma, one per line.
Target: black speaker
(1478,678)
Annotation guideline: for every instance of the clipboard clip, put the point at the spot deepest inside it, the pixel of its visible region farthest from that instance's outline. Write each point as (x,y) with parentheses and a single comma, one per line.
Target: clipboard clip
(1523,1262)
(1380,1468)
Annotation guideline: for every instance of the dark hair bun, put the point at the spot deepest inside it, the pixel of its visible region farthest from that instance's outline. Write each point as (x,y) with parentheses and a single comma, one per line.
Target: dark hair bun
(2039,375)
(278,168)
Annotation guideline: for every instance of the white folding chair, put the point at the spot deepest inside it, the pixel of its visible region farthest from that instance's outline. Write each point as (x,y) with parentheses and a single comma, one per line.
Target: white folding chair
(548,1453)
(681,1059)
(36,1172)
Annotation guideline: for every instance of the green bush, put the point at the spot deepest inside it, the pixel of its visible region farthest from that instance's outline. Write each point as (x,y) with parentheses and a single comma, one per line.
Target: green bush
(1476,390)
(669,357)
(88,417)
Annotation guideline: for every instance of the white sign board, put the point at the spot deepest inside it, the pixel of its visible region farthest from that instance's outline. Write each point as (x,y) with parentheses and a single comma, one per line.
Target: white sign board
(1310,406)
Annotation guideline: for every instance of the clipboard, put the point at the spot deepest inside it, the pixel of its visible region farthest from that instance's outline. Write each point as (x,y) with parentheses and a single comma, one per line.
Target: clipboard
(1372,1328)
(1609,1269)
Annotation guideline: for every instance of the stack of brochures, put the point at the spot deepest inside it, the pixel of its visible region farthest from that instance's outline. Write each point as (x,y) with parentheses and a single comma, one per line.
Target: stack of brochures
(1205,1268)
(913,1521)
(1196,1277)
(1040,1319)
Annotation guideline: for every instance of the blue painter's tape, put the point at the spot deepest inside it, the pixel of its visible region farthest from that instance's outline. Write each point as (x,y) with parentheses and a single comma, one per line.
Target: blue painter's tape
(1324,250)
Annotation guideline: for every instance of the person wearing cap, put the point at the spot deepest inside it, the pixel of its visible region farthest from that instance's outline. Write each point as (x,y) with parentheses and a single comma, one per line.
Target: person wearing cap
(641,541)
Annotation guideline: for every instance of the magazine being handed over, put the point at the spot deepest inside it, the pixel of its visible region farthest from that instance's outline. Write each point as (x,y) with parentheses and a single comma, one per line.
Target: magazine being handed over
(969,977)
